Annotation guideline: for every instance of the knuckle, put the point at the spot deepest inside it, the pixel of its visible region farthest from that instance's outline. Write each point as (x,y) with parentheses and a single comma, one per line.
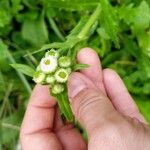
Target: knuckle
(86,100)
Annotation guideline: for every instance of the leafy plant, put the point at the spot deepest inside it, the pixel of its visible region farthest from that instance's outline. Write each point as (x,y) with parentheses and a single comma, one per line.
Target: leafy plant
(119,31)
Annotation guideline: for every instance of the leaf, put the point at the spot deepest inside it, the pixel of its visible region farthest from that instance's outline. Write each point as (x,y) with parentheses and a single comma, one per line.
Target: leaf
(77,29)
(3,56)
(141,19)
(77,5)
(109,21)
(80,66)
(35,31)
(24,69)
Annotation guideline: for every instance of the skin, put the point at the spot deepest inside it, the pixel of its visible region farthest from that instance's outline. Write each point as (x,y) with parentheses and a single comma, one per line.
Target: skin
(100,102)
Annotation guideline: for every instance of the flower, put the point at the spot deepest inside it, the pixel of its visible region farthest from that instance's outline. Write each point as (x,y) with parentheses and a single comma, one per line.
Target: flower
(39,77)
(48,64)
(57,88)
(50,79)
(61,75)
(53,53)
(64,61)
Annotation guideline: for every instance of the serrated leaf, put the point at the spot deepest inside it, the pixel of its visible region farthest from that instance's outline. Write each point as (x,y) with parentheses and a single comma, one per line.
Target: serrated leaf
(27,70)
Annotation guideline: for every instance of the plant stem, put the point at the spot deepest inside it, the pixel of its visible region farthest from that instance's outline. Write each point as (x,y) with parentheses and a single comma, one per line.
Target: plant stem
(64,106)
(90,22)
(55,28)
(21,76)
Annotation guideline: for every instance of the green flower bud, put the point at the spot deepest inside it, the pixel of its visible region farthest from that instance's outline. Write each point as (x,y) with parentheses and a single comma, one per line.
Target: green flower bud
(69,70)
(52,53)
(39,77)
(57,88)
(64,61)
(61,75)
(50,79)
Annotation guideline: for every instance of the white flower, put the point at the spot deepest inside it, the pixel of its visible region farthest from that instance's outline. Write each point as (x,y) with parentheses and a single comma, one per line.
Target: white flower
(64,61)
(50,79)
(61,75)
(57,88)
(39,77)
(48,64)
(52,53)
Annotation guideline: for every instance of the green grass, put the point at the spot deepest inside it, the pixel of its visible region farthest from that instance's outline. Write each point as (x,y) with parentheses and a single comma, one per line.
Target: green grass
(119,31)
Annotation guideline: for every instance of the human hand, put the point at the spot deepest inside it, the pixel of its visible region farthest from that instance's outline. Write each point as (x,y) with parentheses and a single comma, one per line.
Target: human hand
(111,123)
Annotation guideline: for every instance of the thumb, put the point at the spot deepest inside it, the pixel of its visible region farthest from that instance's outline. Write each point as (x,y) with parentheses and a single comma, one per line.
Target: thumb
(90,106)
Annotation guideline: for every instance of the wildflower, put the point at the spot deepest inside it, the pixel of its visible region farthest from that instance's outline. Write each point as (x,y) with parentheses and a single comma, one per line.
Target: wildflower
(48,64)
(64,61)
(61,75)
(39,77)
(50,79)
(53,53)
(57,88)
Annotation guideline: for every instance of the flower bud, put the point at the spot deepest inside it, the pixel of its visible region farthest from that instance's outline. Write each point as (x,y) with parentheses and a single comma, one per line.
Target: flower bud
(50,79)
(64,61)
(39,77)
(48,64)
(61,75)
(52,53)
(57,88)
(69,70)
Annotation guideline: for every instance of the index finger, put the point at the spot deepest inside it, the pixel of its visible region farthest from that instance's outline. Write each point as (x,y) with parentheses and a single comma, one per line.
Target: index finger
(38,120)
(94,71)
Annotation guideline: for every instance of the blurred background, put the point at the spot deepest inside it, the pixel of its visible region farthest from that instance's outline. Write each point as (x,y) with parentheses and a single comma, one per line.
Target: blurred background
(121,37)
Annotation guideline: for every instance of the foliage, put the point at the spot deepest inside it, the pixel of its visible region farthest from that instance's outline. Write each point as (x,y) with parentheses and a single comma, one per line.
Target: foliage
(120,34)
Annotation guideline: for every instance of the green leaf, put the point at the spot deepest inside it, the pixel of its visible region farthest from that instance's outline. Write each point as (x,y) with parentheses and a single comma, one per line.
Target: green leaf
(24,69)
(109,21)
(35,31)
(80,66)
(72,4)
(141,19)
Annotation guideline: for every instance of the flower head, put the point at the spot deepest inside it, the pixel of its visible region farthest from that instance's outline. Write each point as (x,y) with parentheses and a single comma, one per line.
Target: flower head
(52,53)
(57,88)
(50,79)
(48,64)
(61,75)
(64,61)
(39,77)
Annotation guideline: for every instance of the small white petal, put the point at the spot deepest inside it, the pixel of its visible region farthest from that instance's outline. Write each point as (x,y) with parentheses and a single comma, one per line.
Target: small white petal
(48,64)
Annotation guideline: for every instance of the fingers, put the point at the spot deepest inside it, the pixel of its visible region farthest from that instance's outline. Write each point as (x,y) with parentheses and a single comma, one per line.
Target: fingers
(119,95)
(38,121)
(94,71)
(90,106)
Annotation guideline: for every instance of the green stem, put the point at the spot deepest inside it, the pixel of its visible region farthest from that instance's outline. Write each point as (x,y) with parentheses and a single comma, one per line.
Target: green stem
(55,28)
(20,75)
(64,106)
(68,111)
(90,22)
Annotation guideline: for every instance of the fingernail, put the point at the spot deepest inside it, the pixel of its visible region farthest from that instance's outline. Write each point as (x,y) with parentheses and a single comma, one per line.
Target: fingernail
(75,86)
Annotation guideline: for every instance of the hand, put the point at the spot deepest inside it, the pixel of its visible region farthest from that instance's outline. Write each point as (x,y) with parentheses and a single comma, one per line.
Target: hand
(99,101)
